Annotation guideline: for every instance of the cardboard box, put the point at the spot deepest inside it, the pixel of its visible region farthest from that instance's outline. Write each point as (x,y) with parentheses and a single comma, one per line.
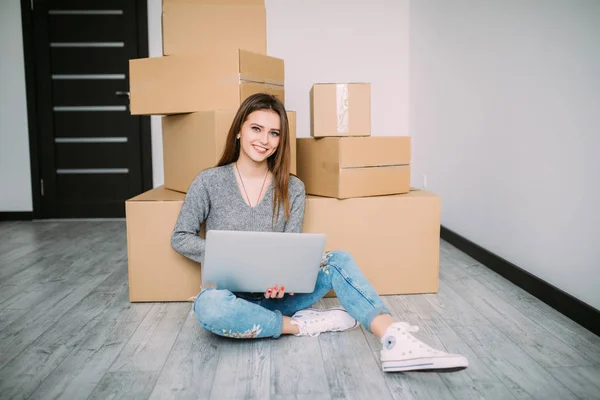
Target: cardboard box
(394,239)
(156,271)
(194,142)
(196,26)
(218,80)
(354,166)
(221,2)
(340,109)
(293,150)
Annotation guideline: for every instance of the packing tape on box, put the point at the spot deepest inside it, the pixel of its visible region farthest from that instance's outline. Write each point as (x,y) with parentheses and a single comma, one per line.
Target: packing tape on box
(341,94)
(259,79)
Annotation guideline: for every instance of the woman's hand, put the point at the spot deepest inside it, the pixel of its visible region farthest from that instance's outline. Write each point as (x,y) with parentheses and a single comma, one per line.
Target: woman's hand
(276,292)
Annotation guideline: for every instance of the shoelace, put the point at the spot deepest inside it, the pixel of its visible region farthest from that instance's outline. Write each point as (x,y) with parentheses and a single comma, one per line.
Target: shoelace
(310,327)
(404,327)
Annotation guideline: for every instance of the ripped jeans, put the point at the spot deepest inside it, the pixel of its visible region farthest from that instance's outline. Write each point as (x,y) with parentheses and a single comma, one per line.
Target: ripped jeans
(221,312)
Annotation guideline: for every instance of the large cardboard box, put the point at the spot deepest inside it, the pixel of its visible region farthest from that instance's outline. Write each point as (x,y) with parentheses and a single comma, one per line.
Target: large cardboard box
(191,26)
(354,166)
(216,80)
(342,109)
(194,142)
(394,239)
(156,271)
(293,150)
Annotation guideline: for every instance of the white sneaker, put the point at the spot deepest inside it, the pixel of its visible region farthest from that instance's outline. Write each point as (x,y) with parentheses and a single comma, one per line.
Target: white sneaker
(314,321)
(403,352)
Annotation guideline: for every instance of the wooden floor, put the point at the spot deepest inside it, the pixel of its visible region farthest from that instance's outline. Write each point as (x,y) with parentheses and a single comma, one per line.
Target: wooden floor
(67,330)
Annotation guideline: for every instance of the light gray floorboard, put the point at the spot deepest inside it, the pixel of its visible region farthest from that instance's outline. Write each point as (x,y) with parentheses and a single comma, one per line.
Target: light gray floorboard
(529,305)
(134,372)
(16,258)
(8,316)
(583,381)
(17,336)
(69,287)
(243,370)
(25,372)
(455,309)
(78,375)
(63,256)
(469,266)
(403,309)
(129,384)
(67,267)
(39,286)
(49,249)
(68,330)
(300,397)
(352,371)
(572,334)
(122,309)
(297,369)
(524,377)
(19,236)
(189,371)
(34,363)
(26,297)
(475,382)
(540,344)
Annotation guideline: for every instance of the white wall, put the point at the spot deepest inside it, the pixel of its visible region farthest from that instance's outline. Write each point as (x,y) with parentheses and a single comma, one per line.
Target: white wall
(15,175)
(344,41)
(504,98)
(156,50)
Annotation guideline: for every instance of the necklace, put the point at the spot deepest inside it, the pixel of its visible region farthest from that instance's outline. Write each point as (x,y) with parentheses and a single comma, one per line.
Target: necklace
(244,187)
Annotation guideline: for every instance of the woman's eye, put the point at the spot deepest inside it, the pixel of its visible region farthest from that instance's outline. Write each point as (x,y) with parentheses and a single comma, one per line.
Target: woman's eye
(274,133)
(256,129)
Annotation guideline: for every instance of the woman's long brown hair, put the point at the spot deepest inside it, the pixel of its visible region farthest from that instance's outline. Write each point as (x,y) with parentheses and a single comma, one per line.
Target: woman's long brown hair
(279,162)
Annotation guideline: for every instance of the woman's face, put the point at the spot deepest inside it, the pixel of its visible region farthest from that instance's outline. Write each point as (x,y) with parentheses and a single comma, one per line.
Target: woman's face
(259,136)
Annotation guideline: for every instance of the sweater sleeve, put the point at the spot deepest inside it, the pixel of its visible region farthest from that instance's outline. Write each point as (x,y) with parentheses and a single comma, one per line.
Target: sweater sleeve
(195,208)
(297,205)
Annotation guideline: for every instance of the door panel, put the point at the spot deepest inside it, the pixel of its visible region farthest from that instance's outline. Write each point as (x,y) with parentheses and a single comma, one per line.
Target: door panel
(92,124)
(102,27)
(111,154)
(92,187)
(90,145)
(89,91)
(88,60)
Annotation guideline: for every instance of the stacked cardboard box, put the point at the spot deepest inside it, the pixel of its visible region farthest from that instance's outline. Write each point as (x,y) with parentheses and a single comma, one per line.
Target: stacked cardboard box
(156,271)
(214,58)
(207,80)
(358,186)
(359,193)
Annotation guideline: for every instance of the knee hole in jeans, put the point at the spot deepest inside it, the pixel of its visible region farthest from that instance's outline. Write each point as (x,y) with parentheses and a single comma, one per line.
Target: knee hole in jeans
(209,305)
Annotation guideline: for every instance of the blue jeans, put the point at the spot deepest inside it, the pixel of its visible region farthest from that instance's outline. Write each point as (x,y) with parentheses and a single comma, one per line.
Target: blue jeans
(221,312)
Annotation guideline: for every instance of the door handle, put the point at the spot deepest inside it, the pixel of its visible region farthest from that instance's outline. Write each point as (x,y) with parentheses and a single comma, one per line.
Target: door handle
(122,94)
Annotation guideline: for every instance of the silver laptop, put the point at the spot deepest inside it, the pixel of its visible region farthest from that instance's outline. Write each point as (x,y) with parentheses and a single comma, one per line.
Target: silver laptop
(255,261)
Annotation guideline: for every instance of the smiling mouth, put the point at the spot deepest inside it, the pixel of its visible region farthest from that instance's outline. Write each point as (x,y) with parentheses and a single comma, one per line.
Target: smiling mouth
(259,149)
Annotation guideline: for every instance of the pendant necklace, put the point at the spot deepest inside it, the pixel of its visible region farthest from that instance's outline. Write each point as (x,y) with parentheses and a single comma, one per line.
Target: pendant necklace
(244,187)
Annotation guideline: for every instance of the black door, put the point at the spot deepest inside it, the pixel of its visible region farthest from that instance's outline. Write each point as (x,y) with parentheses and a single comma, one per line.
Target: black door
(92,154)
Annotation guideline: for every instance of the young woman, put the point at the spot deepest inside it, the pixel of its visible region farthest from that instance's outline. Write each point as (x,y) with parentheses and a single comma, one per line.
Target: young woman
(251,189)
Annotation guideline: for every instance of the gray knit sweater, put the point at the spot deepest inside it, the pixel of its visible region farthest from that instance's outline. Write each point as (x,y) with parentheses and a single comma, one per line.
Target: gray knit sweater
(214,197)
